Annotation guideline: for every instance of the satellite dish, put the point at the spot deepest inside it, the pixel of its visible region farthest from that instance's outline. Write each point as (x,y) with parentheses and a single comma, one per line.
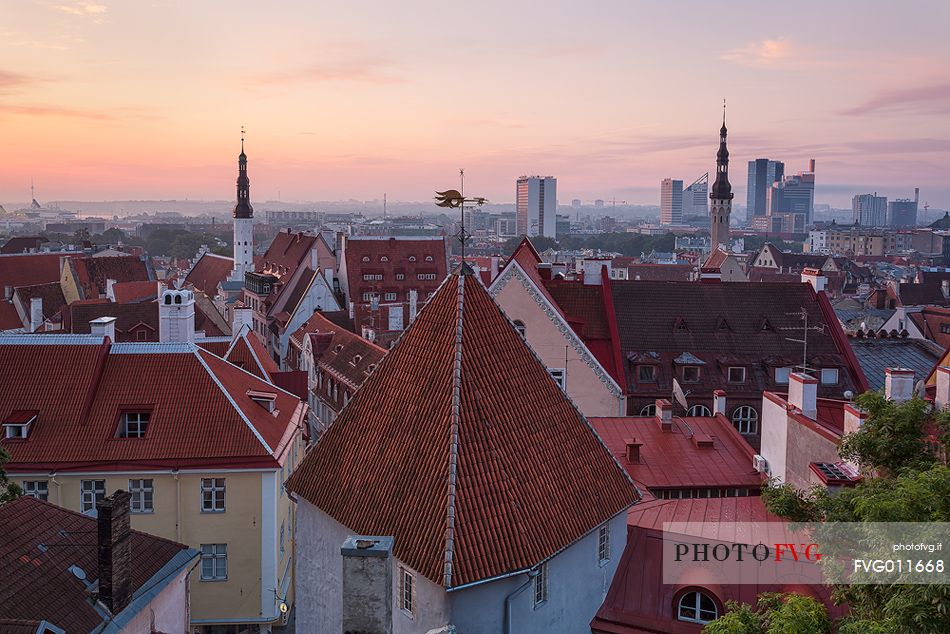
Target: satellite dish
(848,394)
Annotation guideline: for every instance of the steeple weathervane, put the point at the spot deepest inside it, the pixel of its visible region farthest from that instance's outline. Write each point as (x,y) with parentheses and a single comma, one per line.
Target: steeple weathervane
(243,207)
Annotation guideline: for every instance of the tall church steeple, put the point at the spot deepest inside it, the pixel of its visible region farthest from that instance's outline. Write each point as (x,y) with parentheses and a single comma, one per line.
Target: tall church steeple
(243,222)
(721,194)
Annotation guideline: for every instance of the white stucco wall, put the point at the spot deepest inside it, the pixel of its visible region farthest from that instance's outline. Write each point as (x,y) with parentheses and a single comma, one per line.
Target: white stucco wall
(774,445)
(167,612)
(318,297)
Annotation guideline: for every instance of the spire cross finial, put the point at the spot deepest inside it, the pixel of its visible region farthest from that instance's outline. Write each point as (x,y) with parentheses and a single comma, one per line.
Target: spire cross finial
(723,111)
(242,138)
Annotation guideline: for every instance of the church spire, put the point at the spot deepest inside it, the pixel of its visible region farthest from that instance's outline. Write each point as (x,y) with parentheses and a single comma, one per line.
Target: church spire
(243,207)
(721,189)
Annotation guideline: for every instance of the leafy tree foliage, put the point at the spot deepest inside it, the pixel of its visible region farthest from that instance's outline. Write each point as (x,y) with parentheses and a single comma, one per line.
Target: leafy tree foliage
(9,490)
(776,613)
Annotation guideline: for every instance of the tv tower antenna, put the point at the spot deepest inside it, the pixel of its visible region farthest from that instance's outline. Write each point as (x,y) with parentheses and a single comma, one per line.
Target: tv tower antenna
(804,340)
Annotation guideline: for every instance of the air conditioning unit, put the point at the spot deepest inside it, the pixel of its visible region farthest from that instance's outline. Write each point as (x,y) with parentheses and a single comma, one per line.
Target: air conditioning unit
(760,464)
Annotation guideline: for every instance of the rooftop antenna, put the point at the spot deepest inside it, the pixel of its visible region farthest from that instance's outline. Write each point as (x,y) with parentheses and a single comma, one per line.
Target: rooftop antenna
(804,340)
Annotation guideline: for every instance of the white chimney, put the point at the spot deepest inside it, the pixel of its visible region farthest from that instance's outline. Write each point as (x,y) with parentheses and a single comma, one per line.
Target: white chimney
(110,290)
(898,384)
(368,584)
(719,402)
(241,315)
(103,327)
(803,393)
(176,316)
(945,287)
(942,397)
(815,278)
(352,310)
(853,418)
(36,313)
(592,271)
(664,414)
(413,304)
(8,292)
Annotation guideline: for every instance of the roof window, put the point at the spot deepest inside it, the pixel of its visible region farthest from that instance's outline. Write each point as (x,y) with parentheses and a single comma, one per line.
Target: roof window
(17,424)
(264,399)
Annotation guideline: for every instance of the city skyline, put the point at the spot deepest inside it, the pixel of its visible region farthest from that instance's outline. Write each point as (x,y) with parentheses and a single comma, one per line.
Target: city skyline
(340,106)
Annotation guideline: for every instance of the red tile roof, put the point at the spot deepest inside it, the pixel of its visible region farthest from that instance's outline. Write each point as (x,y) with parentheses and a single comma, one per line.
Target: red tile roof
(200,411)
(661,272)
(137,291)
(671,460)
(209,271)
(22,244)
(495,480)
(92,272)
(9,317)
(41,542)
(344,354)
(249,353)
(28,269)
(51,294)
(130,318)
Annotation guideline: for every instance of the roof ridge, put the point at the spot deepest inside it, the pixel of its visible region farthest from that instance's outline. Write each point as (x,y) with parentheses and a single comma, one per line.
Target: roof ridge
(454,419)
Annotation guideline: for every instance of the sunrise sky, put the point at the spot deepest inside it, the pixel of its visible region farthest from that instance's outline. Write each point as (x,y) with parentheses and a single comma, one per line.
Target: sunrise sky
(144,99)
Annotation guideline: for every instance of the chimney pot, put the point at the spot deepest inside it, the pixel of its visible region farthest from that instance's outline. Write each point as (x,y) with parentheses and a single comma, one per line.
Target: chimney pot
(36,313)
(719,402)
(664,414)
(115,551)
(103,327)
(367,584)
(803,393)
(633,450)
(898,384)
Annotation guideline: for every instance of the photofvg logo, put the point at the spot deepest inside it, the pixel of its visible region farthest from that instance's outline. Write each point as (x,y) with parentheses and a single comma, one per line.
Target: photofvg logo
(763,553)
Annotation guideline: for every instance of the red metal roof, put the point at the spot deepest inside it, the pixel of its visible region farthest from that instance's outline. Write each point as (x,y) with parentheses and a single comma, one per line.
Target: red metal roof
(494,482)
(41,542)
(672,459)
(200,411)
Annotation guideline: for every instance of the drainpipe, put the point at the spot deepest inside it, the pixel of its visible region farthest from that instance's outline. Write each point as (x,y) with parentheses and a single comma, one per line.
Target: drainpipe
(177,507)
(531,575)
(59,488)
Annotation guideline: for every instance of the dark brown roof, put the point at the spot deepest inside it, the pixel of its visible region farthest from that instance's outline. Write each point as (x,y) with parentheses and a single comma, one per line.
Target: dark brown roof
(127,317)
(92,272)
(660,272)
(51,294)
(495,480)
(346,355)
(583,304)
(22,244)
(41,542)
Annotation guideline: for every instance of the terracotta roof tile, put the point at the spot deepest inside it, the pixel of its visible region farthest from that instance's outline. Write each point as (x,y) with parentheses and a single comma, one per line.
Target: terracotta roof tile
(22,244)
(40,544)
(29,269)
(130,318)
(530,474)
(92,272)
(135,291)
(209,271)
(51,294)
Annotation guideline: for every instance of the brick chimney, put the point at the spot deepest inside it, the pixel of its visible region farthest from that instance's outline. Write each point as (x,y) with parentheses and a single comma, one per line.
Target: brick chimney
(544,271)
(942,397)
(719,402)
(803,393)
(103,327)
(367,584)
(898,384)
(633,450)
(115,551)
(664,414)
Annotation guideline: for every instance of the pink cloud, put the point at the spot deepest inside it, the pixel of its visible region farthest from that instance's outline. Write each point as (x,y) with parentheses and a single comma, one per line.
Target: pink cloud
(934,99)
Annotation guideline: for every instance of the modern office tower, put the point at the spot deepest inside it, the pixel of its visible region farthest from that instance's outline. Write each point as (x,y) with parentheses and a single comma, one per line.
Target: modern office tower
(696,197)
(762,173)
(671,202)
(598,204)
(721,195)
(902,212)
(794,194)
(870,210)
(576,203)
(536,206)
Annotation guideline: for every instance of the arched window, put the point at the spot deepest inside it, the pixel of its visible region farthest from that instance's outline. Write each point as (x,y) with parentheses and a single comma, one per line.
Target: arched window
(746,419)
(365,258)
(428,258)
(697,607)
(177,298)
(412,258)
(648,410)
(519,326)
(168,299)
(698,410)
(384,258)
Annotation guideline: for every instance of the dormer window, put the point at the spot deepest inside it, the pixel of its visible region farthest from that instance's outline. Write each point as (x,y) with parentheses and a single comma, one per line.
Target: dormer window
(356,360)
(737,375)
(365,258)
(134,424)
(264,399)
(428,258)
(412,258)
(691,374)
(384,258)
(339,348)
(646,373)
(17,424)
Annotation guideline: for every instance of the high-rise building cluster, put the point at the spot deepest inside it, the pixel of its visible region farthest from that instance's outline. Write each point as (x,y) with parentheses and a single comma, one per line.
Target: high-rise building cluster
(871,210)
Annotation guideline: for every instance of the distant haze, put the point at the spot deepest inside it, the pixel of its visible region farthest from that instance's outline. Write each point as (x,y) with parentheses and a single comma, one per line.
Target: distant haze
(108,100)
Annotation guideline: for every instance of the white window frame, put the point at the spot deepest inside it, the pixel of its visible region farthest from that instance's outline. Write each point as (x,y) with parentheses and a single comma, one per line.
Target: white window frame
(38,489)
(736,368)
(699,410)
(603,544)
(747,419)
(407,590)
(782,375)
(134,424)
(142,493)
(559,376)
(696,597)
(217,487)
(648,410)
(654,374)
(390,297)
(698,373)
(831,372)
(541,586)
(400,276)
(91,492)
(217,554)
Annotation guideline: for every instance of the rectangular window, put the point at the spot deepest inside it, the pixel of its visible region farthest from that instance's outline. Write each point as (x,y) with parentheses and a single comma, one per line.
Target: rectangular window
(92,491)
(212,495)
(945,329)
(141,491)
(646,373)
(38,489)
(406,591)
(558,375)
(691,374)
(603,544)
(134,425)
(16,431)
(214,562)
(541,585)
(367,297)
(390,297)
(781,375)
(737,375)
(829,376)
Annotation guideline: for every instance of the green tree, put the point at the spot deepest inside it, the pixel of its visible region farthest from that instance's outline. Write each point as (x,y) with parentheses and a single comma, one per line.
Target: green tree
(776,613)
(9,490)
